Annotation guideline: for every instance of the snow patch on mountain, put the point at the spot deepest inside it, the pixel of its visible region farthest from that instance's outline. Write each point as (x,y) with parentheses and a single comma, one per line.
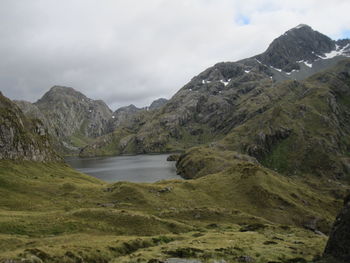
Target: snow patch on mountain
(294,70)
(336,52)
(305,62)
(205,81)
(225,82)
(279,70)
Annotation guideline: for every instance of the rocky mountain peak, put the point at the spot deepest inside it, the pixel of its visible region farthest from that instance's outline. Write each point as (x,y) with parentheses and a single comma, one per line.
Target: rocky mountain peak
(61,93)
(299,44)
(70,116)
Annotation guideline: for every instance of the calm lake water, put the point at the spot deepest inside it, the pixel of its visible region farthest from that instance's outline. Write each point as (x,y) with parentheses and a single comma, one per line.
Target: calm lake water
(136,168)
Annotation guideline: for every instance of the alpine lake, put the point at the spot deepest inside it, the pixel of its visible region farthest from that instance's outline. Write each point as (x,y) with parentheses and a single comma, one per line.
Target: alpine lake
(147,168)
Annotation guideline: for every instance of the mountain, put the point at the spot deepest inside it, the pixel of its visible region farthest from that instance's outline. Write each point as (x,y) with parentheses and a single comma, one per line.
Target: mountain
(302,127)
(301,52)
(74,120)
(70,116)
(22,138)
(250,102)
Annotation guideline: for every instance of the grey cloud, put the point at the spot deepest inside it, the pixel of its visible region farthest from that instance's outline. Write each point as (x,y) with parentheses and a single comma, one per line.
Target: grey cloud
(135,51)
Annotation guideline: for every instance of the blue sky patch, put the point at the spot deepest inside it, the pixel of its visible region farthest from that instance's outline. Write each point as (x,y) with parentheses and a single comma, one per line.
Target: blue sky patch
(345,34)
(242,20)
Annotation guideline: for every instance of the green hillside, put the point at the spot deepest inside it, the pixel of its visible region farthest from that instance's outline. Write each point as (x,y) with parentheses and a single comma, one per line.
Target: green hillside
(53,213)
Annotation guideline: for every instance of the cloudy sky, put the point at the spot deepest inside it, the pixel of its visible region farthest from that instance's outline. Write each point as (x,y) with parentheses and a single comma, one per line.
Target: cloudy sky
(134,51)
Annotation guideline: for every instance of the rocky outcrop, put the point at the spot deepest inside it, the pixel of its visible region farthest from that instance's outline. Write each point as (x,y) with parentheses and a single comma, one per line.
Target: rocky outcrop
(22,138)
(338,248)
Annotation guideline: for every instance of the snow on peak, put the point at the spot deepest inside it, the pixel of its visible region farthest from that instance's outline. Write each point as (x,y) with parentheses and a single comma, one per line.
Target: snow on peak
(300,26)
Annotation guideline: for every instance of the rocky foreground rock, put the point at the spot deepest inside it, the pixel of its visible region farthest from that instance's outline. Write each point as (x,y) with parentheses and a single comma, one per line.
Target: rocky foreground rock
(338,246)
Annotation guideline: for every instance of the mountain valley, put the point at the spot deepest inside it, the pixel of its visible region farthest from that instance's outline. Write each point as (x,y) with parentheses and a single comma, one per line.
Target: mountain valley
(263,145)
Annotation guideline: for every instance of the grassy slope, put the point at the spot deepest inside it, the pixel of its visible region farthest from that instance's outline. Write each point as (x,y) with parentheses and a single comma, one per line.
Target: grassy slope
(53,212)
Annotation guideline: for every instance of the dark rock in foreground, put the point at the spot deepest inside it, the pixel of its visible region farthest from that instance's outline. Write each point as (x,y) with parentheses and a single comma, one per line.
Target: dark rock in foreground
(338,246)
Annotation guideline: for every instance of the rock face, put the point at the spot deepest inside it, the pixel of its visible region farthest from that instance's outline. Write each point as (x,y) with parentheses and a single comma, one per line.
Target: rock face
(22,138)
(70,116)
(338,246)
